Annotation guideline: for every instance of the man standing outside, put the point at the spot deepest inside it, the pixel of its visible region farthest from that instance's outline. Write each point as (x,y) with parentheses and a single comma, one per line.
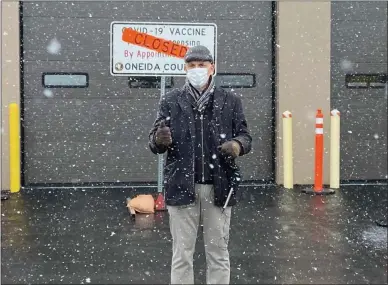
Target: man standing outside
(203,129)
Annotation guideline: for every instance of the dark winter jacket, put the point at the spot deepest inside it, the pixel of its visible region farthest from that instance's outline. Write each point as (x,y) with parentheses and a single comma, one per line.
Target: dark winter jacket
(204,161)
(227,122)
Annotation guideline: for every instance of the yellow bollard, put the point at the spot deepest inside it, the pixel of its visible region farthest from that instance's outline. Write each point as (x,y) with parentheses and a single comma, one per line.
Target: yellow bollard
(335,149)
(287,151)
(14,147)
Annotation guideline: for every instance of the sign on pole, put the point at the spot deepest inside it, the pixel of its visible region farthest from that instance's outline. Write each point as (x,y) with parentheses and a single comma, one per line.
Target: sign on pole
(156,49)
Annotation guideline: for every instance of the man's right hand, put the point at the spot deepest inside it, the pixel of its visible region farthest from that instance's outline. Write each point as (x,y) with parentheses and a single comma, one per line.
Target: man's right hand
(163,135)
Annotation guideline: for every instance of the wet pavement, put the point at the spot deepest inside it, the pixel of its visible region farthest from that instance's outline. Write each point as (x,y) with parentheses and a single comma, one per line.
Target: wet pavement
(277,236)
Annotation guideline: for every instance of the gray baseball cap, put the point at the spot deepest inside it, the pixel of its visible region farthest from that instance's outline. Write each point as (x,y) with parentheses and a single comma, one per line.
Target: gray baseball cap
(198,53)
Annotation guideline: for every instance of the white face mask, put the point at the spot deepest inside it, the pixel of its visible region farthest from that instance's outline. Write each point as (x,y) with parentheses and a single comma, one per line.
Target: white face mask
(198,77)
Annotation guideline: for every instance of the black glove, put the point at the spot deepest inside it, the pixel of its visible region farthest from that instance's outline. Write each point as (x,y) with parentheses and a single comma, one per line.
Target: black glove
(163,135)
(230,148)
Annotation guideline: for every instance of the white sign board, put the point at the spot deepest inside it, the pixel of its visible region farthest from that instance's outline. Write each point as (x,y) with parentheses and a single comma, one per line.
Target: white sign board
(128,59)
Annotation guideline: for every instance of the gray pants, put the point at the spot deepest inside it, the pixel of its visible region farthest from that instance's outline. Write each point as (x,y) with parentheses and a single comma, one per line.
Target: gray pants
(184,223)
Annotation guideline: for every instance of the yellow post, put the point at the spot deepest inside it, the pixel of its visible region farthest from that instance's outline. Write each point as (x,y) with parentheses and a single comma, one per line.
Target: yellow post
(287,151)
(14,147)
(335,149)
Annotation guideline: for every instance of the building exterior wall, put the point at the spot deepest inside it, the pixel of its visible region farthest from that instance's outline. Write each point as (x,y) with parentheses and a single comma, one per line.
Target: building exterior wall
(10,75)
(95,133)
(302,71)
(303,81)
(359,61)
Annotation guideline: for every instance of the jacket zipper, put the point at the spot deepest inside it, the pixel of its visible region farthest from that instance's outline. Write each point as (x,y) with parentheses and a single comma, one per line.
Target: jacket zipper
(203,159)
(193,175)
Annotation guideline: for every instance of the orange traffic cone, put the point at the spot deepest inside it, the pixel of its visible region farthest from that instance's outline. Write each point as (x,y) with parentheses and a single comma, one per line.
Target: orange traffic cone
(159,203)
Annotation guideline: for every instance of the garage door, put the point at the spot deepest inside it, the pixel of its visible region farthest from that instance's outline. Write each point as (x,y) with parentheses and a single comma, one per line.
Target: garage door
(81,125)
(359,90)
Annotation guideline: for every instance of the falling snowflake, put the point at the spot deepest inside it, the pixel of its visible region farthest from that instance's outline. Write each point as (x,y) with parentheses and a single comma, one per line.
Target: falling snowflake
(54,46)
(346,65)
(48,93)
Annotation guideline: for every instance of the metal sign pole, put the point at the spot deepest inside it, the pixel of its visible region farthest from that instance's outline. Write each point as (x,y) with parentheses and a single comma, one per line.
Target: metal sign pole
(161,156)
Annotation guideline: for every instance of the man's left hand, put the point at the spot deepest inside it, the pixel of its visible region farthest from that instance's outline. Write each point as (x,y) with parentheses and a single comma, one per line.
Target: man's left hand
(230,148)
